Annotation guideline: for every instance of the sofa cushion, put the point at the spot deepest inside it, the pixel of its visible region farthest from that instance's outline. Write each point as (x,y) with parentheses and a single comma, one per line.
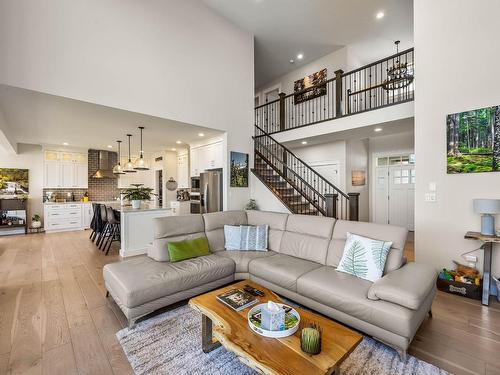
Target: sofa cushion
(348,294)
(141,279)
(282,270)
(277,224)
(307,237)
(397,235)
(174,228)
(242,258)
(214,226)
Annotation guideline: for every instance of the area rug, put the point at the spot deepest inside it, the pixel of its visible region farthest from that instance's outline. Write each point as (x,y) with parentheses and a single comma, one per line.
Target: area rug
(170,343)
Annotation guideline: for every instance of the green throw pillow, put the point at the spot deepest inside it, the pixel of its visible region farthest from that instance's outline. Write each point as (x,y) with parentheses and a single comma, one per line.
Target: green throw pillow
(186,249)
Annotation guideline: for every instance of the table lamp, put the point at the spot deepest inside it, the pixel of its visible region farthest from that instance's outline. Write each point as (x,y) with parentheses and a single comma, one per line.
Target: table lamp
(488,208)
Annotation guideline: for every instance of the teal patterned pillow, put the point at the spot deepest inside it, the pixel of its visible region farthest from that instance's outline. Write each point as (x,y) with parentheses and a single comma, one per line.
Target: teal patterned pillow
(364,257)
(254,237)
(232,237)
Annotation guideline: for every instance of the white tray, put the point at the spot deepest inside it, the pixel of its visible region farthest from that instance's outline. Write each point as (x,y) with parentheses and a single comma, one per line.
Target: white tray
(276,334)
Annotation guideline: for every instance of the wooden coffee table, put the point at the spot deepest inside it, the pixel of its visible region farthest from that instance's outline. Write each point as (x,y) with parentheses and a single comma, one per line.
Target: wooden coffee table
(221,325)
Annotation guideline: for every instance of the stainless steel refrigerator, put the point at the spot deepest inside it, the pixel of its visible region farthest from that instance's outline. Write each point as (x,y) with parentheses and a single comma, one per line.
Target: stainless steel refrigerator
(211,191)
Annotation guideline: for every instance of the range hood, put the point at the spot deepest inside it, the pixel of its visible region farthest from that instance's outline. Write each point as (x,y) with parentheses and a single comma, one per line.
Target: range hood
(104,168)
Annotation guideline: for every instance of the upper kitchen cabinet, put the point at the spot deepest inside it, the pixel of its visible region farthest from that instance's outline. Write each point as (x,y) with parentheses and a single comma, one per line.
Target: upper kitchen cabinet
(183,170)
(63,169)
(209,156)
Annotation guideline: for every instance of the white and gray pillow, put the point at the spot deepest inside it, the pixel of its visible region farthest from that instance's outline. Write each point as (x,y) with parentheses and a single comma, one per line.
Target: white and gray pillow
(246,237)
(364,257)
(232,237)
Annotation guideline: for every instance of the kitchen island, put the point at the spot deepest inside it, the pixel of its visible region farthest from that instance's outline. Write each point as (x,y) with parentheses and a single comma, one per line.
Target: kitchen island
(136,226)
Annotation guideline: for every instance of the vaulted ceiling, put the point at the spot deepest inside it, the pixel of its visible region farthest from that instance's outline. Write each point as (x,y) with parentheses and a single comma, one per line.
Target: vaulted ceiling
(284,28)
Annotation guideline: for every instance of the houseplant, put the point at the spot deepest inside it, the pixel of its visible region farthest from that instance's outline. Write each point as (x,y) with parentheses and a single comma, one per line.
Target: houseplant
(35,221)
(138,193)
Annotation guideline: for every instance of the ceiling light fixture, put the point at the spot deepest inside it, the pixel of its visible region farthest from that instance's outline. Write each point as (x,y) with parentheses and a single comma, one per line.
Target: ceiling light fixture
(118,169)
(65,143)
(304,142)
(109,146)
(377,130)
(178,142)
(141,164)
(201,135)
(174,149)
(380,15)
(129,166)
(300,56)
(398,77)
(291,61)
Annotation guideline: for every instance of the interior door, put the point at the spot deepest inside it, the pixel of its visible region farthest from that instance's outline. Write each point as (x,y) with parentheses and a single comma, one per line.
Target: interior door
(381,201)
(328,170)
(402,195)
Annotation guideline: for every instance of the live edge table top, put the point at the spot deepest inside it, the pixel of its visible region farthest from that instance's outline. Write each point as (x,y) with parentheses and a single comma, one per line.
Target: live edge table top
(270,355)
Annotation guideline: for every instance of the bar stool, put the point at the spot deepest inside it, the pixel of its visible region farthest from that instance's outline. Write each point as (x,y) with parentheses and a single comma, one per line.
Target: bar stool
(104,226)
(95,224)
(113,228)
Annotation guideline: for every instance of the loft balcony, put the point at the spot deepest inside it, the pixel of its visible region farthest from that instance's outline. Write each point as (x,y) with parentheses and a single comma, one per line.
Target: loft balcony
(358,91)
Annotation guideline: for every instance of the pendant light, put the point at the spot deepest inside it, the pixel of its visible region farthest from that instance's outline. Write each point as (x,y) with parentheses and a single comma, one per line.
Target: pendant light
(399,76)
(140,164)
(129,166)
(118,169)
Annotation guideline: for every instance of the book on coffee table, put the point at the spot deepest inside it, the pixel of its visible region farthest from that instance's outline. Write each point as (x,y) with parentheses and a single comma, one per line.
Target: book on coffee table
(237,299)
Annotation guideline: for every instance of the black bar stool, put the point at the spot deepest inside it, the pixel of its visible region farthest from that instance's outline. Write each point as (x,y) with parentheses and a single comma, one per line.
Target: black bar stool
(113,228)
(96,221)
(104,226)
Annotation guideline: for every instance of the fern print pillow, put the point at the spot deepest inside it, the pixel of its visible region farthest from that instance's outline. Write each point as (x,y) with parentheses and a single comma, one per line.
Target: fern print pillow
(364,257)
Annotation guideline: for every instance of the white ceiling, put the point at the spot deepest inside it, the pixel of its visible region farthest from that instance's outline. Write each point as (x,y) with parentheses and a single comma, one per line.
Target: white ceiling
(388,128)
(38,118)
(283,28)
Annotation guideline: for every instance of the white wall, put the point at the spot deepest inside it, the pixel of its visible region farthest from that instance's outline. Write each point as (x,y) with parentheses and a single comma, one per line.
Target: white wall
(357,159)
(29,157)
(456,47)
(143,56)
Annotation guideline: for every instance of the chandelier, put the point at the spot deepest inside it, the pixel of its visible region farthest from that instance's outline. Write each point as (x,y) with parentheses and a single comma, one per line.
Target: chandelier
(398,76)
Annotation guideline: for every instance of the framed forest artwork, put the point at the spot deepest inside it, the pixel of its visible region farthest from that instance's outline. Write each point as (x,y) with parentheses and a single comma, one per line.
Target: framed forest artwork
(310,87)
(13,182)
(239,169)
(473,141)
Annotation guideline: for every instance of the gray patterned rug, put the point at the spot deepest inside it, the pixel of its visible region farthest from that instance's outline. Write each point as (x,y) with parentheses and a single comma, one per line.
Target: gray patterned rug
(170,344)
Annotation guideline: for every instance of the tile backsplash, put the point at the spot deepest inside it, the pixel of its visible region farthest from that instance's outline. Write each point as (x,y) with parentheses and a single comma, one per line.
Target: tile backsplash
(99,189)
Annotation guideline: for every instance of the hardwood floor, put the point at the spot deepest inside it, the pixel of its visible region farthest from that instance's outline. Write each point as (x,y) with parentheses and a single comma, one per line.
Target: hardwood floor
(55,319)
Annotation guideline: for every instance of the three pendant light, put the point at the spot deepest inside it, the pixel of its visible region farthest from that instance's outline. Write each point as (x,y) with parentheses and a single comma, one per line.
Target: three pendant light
(131,167)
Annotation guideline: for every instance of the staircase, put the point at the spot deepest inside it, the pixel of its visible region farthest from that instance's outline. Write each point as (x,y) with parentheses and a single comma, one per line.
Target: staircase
(296,184)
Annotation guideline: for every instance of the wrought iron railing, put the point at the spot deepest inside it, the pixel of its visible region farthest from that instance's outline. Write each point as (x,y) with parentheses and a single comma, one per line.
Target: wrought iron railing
(317,191)
(359,90)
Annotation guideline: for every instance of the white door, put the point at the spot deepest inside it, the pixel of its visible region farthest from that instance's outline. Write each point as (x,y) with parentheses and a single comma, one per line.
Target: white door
(394,191)
(52,175)
(81,175)
(68,175)
(329,170)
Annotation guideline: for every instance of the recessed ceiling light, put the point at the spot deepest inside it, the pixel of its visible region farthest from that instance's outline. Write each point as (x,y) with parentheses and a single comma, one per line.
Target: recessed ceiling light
(201,135)
(304,142)
(377,129)
(291,61)
(174,149)
(65,143)
(300,56)
(109,146)
(178,142)
(380,15)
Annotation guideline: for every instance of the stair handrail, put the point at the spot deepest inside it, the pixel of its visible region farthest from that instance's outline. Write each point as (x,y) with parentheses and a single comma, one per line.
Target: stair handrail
(303,162)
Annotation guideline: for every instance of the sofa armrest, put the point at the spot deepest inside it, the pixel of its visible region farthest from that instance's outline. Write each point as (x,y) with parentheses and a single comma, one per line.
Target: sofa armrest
(407,286)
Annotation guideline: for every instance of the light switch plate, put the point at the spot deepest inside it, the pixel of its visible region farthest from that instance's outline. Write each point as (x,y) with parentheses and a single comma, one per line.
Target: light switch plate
(430,197)
(432,186)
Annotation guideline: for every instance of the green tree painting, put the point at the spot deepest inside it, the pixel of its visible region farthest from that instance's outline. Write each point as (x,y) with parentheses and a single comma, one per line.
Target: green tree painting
(239,169)
(355,260)
(473,141)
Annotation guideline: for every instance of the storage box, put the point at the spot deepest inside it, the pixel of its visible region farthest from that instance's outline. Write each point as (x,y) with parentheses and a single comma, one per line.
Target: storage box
(461,289)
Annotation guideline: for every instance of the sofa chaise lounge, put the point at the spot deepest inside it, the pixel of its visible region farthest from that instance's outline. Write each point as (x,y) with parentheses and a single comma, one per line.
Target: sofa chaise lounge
(300,264)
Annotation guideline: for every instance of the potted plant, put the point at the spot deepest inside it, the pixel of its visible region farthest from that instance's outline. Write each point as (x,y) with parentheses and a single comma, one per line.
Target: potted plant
(35,221)
(138,193)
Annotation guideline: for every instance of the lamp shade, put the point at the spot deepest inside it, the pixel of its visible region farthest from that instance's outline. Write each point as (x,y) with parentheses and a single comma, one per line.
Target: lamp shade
(487,206)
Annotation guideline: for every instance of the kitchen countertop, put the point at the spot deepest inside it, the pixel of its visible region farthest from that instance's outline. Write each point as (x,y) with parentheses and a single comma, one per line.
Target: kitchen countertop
(80,202)
(144,207)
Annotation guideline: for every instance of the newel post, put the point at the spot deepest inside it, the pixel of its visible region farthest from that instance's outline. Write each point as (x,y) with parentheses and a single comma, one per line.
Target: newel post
(331,205)
(353,206)
(338,92)
(282,110)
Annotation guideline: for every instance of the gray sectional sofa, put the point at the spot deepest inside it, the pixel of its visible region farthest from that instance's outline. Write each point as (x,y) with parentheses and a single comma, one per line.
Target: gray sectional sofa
(300,265)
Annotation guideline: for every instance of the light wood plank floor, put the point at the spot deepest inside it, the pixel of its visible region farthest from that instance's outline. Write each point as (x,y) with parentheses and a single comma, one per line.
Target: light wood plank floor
(55,319)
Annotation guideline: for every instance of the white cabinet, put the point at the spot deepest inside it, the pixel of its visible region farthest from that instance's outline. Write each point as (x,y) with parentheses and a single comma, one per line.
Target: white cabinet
(183,171)
(63,217)
(180,208)
(205,157)
(87,214)
(65,169)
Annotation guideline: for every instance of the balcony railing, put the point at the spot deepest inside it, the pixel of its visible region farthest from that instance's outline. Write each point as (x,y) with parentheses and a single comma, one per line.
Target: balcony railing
(345,94)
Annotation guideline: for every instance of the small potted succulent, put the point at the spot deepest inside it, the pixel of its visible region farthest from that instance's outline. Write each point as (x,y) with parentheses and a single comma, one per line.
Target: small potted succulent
(138,193)
(35,221)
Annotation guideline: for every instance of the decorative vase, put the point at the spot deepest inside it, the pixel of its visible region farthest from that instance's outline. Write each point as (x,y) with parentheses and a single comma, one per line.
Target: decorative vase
(136,204)
(36,224)
(310,340)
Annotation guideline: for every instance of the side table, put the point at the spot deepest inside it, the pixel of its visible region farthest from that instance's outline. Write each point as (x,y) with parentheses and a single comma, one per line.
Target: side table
(487,247)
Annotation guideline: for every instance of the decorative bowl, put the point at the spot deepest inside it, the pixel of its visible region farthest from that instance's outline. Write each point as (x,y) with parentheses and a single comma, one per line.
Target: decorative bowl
(292,315)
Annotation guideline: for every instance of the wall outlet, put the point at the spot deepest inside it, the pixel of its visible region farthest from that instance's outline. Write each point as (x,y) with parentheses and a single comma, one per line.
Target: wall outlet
(430,197)
(471,258)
